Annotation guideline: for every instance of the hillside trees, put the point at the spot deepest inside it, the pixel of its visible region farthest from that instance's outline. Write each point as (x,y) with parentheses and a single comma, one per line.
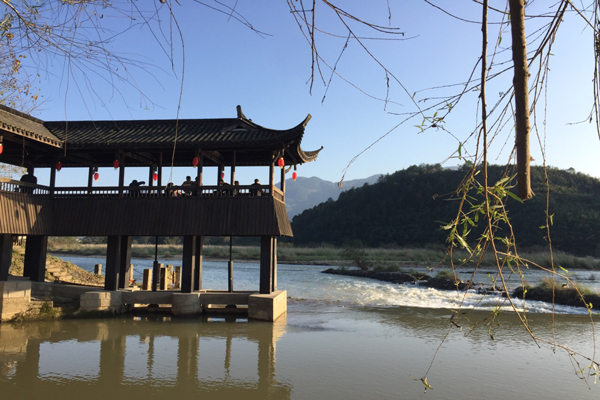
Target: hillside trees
(409,207)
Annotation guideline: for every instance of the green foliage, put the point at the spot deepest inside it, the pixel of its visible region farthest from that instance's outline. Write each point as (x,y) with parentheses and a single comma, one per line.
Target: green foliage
(562,288)
(445,274)
(11,171)
(47,311)
(354,252)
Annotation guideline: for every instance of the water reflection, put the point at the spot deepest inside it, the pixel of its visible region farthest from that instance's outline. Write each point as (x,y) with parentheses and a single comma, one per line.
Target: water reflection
(141,356)
(323,351)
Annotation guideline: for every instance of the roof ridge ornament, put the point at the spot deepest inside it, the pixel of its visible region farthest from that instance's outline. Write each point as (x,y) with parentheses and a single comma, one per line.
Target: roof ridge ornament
(240,114)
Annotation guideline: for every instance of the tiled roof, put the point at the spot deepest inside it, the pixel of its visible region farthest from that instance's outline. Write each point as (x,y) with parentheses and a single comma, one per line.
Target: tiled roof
(223,141)
(200,133)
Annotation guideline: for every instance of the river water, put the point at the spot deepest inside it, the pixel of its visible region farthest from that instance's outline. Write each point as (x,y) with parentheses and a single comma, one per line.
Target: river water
(342,338)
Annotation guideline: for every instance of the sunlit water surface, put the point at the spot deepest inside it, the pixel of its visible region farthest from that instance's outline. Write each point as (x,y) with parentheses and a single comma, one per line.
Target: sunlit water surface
(342,338)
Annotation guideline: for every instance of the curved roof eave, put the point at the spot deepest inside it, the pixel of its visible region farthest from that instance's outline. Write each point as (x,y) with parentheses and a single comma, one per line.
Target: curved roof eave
(21,124)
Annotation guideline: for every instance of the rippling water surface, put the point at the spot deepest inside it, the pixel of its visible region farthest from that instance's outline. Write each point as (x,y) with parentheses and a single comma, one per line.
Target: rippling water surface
(342,338)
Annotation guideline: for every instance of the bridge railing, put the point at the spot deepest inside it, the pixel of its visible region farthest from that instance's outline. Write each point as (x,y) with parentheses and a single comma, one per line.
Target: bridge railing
(9,185)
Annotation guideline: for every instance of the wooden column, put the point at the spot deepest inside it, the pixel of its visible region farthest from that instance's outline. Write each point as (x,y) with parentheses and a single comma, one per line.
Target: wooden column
(199,172)
(160,162)
(198,264)
(271,177)
(150,180)
(52,179)
(90,179)
(188,263)
(266,264)
(113,257)
(122,179)
(232,177)
(220,172)
(34,264)
(6,245)
(125,262)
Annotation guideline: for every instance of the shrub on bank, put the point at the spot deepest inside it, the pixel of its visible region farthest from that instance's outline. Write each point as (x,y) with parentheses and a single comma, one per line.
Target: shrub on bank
(558,291)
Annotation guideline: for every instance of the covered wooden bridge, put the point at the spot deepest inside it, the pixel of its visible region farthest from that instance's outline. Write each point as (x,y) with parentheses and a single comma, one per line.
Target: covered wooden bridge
(154,209)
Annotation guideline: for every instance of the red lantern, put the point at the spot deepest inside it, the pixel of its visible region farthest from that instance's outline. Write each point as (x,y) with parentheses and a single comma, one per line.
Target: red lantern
(96,176)
(222,175)
(280,162)
(155,176)
(294,176)
(58,166)
(195,162)
(116,164)
(1,148)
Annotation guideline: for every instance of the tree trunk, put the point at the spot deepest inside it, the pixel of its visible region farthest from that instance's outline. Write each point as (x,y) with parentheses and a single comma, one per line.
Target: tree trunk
(521,85)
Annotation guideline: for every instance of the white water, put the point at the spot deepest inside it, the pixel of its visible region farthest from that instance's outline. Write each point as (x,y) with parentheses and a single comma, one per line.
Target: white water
(306,282)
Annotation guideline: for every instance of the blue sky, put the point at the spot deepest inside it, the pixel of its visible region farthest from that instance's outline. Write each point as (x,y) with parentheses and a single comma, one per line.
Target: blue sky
(227,64)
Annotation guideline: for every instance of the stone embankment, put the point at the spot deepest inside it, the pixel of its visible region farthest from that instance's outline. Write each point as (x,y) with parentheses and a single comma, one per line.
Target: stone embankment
(57,270)
(23,300)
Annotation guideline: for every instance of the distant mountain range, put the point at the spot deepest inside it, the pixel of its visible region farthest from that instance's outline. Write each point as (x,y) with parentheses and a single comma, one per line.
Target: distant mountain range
(306,193)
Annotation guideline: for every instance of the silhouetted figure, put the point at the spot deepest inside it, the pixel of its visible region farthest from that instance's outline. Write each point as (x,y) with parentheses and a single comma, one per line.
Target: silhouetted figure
(256,191)
(134,183)
(28,178)
(187,185)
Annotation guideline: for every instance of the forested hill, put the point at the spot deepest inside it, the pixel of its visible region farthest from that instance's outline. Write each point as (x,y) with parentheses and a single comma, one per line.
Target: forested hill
(408,207)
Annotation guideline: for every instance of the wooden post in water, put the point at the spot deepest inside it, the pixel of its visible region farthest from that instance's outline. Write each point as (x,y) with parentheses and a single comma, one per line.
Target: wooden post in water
(230,265)
(177,277)
(98,269)
(163,277)
(169,277)
(130,274)
(156,265)
(147,281)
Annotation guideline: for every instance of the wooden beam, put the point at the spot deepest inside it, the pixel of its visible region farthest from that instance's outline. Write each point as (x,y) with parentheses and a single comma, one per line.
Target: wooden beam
(137,157)
(214,156)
